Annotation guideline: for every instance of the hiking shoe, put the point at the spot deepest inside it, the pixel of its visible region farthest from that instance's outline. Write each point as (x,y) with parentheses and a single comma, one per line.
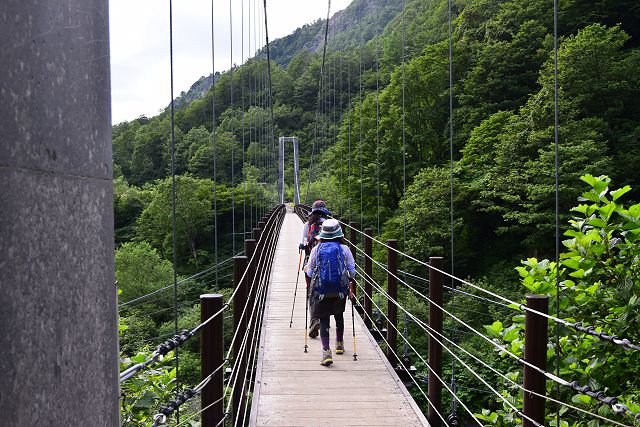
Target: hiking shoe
(339,347)
(314,330)
(326,357)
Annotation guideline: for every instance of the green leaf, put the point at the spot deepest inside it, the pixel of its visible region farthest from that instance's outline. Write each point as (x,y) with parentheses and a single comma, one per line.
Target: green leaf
(146,401)
(597,222)
(581,399)
(589,179)
(523,271)
(511,333)
(620,192)
(591,196)
(634,210)
(579,274)
(139,358)
(607,210)
(571,263)
(494,329)
(581,208)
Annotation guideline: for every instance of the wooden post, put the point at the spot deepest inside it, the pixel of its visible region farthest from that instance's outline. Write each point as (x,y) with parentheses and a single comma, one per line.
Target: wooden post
(435,348)
(368,269)
(249,249)
(392,309)
(535,352)
(252,280)
(240,323)
(256,234)
(212,357)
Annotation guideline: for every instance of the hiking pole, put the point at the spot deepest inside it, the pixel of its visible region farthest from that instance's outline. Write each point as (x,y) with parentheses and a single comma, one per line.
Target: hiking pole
(306,317)
(296,289)
(353,318)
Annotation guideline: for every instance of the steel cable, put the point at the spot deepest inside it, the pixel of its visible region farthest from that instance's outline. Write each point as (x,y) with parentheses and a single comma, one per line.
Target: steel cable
(430,331)
(410,376)
(192,277)
(191,392)
(625,343)
(585,390)
(370,280)
(173,197)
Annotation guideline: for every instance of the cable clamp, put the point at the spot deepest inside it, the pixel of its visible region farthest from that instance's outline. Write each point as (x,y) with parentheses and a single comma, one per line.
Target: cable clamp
(620,408)
(159,419)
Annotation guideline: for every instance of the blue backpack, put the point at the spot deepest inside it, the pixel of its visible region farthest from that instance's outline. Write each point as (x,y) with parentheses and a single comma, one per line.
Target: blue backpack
(330,273)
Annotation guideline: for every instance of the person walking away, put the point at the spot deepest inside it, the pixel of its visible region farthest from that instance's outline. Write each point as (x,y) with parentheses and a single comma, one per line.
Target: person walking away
(330,268)
(319,213)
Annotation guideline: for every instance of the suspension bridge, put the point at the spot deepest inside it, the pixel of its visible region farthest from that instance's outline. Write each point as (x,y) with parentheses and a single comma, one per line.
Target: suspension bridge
(59,299)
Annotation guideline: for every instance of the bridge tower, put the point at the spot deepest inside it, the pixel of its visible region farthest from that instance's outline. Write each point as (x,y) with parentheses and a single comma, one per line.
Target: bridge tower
(296,168)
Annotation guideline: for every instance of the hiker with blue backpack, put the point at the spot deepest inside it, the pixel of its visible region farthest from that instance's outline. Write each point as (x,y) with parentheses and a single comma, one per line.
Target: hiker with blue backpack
(319,213)
(331,268)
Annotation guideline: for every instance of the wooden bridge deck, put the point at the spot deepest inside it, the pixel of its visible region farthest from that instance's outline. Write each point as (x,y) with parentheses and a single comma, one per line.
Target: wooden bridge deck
(293,389)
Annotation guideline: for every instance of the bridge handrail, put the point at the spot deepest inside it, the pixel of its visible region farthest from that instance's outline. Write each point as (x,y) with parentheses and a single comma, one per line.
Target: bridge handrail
(265,246)
(184,335)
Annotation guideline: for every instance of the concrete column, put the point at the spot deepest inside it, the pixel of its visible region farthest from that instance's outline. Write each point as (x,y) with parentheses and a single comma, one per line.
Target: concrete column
(58,313)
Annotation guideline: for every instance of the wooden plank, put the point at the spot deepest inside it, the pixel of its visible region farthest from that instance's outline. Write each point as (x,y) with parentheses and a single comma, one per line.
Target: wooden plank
(292,388)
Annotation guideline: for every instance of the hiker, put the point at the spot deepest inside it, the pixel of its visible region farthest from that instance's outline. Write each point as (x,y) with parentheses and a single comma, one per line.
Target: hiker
(319,213)
(331,268)
(311,229)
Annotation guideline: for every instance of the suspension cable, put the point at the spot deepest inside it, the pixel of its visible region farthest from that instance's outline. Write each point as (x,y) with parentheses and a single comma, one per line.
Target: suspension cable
(233,142)
(213,139)
(360,136)
(451,183)
(202,273)
(173,197)
(370,280)
(378,137)
(624,343)
(188,394)
(242,73)
(430,331)
(574,385)
(557,191)
(409,374)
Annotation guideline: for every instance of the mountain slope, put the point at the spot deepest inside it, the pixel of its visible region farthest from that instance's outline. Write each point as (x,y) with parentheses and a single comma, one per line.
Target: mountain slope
(361,21)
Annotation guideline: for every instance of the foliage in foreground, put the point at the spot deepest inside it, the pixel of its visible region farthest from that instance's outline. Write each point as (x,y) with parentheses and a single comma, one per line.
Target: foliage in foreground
(599,286)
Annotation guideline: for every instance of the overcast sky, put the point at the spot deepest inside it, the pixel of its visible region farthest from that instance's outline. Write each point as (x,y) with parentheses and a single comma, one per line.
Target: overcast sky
(139,36)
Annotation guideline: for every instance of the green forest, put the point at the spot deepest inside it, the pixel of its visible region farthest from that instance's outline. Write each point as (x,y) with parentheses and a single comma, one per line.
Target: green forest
(379,145)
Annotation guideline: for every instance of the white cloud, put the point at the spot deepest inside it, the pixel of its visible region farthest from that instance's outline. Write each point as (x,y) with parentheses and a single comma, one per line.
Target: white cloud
(139,36)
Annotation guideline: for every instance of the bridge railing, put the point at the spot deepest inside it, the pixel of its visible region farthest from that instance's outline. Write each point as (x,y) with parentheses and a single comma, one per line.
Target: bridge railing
(535,343)
(228,371)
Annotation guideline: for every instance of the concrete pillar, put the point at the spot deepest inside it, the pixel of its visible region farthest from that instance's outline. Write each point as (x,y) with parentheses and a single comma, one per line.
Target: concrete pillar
(58,313)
